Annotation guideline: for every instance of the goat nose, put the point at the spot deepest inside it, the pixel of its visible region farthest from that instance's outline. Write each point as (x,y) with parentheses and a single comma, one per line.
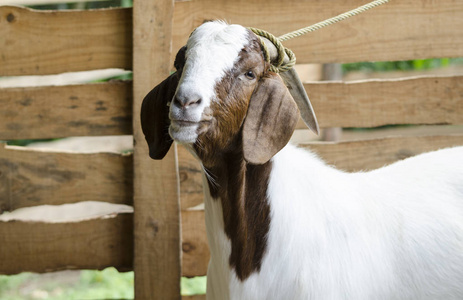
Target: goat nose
(184,101)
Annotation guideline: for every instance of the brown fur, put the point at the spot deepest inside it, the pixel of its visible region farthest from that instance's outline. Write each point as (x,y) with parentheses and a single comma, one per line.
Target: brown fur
(264,107)
(242,189)
(230,108)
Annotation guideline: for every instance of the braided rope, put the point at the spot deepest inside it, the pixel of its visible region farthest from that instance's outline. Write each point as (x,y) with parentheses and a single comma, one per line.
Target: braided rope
(333,20)
(278,65)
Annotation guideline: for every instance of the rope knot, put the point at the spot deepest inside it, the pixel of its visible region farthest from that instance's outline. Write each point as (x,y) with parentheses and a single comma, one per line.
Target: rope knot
(278,64)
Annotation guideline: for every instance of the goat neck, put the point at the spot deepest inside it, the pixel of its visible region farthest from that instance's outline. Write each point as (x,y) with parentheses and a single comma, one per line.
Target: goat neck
(242,189)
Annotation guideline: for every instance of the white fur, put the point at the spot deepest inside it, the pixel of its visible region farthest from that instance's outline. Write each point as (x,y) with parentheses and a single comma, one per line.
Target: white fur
(212,50)
(392,233)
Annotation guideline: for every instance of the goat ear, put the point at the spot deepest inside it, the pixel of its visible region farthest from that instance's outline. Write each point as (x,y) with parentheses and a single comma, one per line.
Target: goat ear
(271,119)
(155,117)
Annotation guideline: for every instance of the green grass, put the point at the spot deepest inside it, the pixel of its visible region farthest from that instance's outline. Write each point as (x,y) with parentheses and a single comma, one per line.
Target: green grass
(89,285)
(106,284)
(193,286)
(408,65)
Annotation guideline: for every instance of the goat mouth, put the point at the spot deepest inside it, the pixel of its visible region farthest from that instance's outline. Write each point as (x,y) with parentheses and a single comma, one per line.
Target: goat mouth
(183,123)
(186,132)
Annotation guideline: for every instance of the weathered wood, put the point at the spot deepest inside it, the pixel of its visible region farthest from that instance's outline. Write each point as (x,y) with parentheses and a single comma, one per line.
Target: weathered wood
(191,183)
(331,72)
(371,154)
(48,42)
(195,297)
(156,197)
(60,111)
(195,259)
(398,30)
(104,108)
(371,103)
(46,247)
(35,177)
(107,40)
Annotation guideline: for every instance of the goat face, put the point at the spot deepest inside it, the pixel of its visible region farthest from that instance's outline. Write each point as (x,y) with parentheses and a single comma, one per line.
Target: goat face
(222,95)
(221,69)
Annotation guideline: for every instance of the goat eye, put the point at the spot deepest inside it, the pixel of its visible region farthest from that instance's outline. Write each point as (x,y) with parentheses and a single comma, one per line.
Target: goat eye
(250,75)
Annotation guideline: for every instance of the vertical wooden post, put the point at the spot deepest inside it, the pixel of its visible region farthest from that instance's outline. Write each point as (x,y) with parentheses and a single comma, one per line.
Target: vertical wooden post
(157,250)
(332,72)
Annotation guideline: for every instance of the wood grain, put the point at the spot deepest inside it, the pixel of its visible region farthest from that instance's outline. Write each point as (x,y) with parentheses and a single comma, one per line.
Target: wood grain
(371,103)
(49,42)
(61,111)
(156,193)
(104,108)
(191,183)
(35,177)
(398,30)
(46,247)
(194,259)
(371,154)
(53,42)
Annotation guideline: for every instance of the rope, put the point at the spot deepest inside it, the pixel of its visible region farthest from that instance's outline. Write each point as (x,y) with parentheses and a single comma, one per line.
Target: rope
(278,66)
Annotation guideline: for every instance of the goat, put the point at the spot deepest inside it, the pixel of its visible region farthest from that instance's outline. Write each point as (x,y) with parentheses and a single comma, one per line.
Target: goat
(281,224)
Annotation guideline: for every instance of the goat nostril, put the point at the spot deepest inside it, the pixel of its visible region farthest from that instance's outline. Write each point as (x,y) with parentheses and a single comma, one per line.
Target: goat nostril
(177,102)
(184,102)
(195,102)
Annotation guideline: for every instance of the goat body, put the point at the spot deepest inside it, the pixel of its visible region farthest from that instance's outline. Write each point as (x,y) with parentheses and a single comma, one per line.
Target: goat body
(281,224)
(392,233)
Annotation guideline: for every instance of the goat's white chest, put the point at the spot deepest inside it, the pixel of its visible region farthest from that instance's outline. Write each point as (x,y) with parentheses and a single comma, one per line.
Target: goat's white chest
(218,272)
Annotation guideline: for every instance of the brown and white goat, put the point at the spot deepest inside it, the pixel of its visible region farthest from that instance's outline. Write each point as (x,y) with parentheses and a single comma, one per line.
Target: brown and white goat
(280,223)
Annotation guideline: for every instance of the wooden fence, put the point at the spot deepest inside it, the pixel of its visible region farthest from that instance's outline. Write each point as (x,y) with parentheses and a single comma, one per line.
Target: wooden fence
(165,236)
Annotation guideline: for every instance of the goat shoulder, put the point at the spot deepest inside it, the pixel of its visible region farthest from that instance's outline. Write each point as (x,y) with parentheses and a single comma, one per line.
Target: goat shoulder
(392,233)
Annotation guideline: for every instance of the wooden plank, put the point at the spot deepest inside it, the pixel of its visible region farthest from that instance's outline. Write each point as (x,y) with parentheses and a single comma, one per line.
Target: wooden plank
(191,182)
(195,251)
(61,111)
(365,155)
(48,42)
(371,103)
(398,30)
(46,247)
(104,108)
(195,246)
(156,193)
(34,177)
